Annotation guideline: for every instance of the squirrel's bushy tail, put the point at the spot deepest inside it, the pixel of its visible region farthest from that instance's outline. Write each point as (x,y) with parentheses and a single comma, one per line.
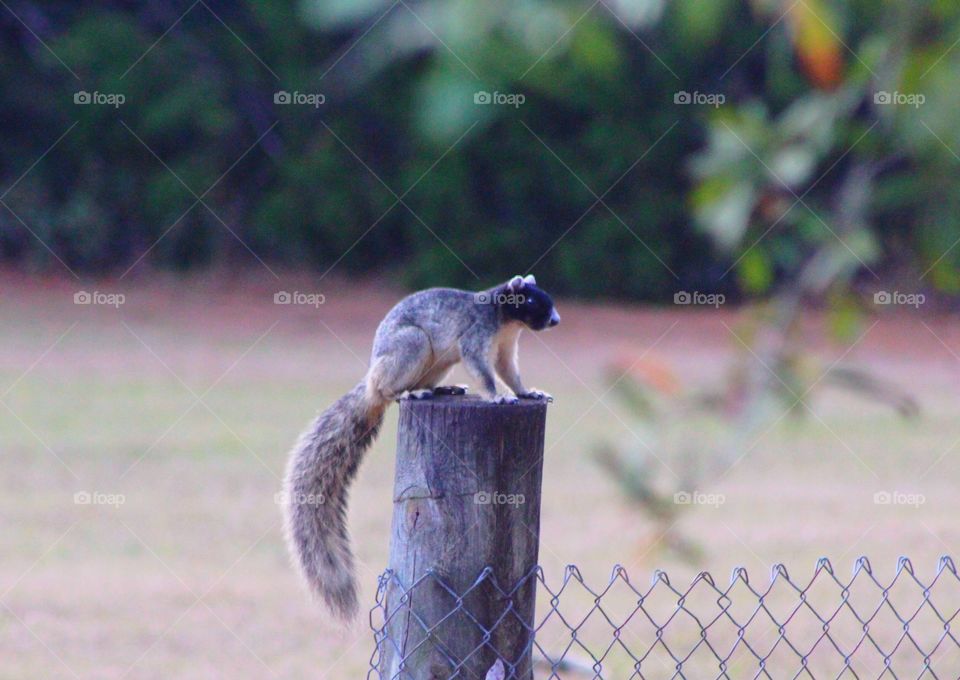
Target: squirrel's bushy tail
(319,472)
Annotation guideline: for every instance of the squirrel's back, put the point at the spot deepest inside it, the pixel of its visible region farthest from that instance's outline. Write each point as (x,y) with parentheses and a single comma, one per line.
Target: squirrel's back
(442,313)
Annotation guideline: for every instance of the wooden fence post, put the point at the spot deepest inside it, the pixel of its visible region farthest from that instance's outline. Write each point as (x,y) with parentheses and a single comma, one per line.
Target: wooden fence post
(466,498)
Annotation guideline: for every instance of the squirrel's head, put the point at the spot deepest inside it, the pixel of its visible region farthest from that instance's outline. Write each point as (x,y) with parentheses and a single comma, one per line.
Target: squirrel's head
(523,301)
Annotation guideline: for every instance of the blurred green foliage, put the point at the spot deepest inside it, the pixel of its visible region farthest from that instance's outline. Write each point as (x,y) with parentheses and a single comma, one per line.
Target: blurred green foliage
(801,162)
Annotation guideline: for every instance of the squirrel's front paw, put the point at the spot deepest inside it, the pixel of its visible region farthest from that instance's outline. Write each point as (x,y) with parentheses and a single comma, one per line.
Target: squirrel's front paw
(539,395)
(504,399)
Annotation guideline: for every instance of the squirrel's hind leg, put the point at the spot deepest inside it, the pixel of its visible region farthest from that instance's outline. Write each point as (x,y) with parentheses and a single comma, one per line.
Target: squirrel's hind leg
(399,368)
(435,379)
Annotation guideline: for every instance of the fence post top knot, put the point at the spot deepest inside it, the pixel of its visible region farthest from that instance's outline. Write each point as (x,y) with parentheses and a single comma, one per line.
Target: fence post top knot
(704,576)
(659,575)
(484,573)
(862,563)
(904,563)
(739,573)
(779,569)
(823,563)
(946,562)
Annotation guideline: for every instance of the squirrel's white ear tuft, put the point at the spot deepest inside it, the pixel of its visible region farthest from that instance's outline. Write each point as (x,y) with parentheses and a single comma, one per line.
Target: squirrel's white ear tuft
(516,283)
(530,280)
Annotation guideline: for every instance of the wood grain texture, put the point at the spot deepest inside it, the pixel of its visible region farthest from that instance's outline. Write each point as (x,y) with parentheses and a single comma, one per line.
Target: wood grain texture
(466,497)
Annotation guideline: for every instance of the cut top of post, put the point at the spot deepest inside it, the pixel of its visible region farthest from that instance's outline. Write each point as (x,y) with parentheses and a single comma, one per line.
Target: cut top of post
(471,401)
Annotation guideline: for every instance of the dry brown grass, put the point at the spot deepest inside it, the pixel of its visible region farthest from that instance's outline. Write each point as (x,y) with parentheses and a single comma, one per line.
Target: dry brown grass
(104,592)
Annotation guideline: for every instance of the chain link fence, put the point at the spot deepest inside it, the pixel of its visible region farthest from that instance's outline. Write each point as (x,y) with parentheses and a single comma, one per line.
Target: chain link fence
(821,626)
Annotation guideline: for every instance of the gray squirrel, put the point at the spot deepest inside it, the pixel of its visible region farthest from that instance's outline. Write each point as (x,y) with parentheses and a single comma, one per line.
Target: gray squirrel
(415,347)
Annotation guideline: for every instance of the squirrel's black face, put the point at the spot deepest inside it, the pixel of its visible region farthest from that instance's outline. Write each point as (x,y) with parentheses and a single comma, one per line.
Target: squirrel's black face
(523,301)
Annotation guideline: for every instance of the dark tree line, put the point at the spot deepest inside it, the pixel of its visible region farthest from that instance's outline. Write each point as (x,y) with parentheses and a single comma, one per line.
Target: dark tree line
(351,135)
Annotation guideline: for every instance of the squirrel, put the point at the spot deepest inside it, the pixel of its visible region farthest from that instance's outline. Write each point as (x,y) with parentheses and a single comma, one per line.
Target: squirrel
(415,347)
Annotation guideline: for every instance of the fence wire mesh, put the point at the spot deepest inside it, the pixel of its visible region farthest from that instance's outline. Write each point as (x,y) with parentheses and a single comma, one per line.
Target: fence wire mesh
(826,626)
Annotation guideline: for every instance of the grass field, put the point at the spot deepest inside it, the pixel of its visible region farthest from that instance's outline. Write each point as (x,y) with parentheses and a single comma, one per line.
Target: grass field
(185,400)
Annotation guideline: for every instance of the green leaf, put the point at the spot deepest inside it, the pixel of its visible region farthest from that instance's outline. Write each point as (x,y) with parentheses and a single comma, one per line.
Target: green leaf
(723,209)
(755,271)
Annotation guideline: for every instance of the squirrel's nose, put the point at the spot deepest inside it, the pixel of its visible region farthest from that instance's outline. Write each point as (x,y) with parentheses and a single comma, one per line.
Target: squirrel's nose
(554,318)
